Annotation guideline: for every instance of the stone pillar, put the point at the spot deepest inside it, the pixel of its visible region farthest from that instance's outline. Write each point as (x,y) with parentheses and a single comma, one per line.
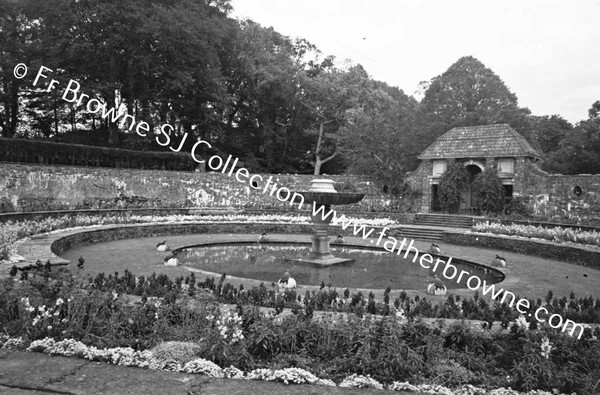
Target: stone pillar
(320,239)
(426,186)
(519,186)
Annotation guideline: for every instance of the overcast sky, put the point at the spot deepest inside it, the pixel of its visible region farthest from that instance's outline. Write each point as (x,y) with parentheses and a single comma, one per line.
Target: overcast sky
(546,51)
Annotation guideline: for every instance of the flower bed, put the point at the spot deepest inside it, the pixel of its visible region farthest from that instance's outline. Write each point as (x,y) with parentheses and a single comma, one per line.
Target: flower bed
(53,313)
(328,299)
(579,255)
(557,234)
(146,359)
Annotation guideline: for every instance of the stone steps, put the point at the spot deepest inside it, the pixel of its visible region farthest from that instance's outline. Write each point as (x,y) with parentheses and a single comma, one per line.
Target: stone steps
(444,220)
(417,233)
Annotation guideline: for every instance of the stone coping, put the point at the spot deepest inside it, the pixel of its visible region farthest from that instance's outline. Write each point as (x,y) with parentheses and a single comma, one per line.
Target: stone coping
(353,242)
(28,215)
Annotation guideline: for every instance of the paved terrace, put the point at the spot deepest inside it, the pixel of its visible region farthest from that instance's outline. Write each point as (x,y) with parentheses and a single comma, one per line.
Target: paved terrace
(25,373)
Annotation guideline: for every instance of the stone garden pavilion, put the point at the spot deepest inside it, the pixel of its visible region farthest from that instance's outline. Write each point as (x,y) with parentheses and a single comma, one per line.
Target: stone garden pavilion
(476,147)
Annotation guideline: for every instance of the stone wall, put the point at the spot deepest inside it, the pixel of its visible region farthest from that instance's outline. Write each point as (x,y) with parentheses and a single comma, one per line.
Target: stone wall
(554,195)
(83,238)
(418,180)
(38,187)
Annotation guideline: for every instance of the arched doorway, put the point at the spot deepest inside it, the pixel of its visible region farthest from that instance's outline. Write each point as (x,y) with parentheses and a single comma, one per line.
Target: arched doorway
(468,201)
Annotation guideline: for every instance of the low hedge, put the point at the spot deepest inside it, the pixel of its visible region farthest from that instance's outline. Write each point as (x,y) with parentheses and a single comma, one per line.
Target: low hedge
(46,152)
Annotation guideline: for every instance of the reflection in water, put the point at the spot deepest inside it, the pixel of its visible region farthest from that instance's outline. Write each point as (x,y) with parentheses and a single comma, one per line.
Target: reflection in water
(370,269)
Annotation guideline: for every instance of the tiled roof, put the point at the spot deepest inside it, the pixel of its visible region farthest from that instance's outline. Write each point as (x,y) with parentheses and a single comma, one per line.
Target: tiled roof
(480,141)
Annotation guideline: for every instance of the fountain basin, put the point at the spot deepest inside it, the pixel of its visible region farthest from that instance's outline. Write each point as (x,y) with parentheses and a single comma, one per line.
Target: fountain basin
(331,198)
(323,195)
(368,267)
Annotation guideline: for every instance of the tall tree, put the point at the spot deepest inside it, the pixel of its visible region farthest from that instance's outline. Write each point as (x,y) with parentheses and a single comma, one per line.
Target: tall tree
(579,150)
(469,94)
(549,131)
(158,58)
(19,43)
(594,111)
(262,86)
(327,95)
(466,94)
(376,134)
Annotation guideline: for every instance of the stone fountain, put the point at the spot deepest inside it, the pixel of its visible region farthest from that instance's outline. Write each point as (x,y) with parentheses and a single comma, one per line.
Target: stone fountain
(322,193)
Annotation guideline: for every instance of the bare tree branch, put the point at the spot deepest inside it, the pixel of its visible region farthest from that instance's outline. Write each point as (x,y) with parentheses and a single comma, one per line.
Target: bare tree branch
(329,158)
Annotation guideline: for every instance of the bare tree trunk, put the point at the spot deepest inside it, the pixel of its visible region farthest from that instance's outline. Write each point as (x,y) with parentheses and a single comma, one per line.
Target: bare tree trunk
(110,98)
(55,116)
(318,161)
(317,167)
(113,130)
(14,109)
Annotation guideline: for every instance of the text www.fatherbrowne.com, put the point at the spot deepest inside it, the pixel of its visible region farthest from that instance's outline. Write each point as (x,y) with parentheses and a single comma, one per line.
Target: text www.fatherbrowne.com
(72,94)
(448,270)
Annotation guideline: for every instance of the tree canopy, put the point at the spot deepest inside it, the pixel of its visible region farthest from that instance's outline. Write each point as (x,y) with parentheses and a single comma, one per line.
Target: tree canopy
(277,103)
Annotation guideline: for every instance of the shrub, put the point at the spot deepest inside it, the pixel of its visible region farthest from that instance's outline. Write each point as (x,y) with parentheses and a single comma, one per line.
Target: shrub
(452,182)
(103,325)
(182,352)
(203,366)
(518,207)
(47,152)
(489,191)
(6,205)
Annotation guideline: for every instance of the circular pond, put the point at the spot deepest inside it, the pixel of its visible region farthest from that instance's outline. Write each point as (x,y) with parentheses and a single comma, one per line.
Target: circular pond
(371,268)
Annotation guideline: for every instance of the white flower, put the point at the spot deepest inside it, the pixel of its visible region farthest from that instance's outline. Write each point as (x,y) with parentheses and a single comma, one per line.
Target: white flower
(360,381)
(326,382)
(434,389)
(402,386)
(287,376)
(203,366)
(233,373)
(13,342)
(546,348)
(522,322)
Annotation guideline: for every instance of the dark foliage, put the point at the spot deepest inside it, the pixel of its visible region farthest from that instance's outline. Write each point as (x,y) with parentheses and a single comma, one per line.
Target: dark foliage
(452,182)
(383,347)
(46,152)
(489,191)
